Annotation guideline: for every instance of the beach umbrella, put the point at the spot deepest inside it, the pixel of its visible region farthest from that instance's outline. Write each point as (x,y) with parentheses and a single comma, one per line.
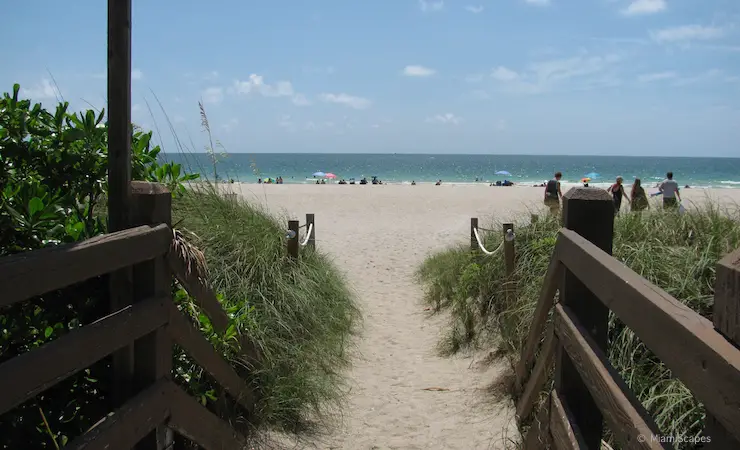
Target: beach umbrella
(592,175)
(585,180)
(330,175)
(503,172)
(319,174)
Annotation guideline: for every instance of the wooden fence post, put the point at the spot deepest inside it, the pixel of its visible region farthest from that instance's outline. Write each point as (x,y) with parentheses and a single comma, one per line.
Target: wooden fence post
(726,317)
(293,242)
(509,256)
(590,213)
(473,240)
(310,220)
(151,204)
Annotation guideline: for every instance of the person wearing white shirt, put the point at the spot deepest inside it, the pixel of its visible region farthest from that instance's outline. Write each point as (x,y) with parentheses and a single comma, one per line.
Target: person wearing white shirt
(669,189)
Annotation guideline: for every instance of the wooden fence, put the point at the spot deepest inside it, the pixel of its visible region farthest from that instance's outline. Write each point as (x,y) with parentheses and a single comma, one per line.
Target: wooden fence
(140,332)
(294,241)
(588,391)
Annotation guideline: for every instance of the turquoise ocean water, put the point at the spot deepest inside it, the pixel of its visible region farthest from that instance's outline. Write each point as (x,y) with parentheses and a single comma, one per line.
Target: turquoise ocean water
(524,169)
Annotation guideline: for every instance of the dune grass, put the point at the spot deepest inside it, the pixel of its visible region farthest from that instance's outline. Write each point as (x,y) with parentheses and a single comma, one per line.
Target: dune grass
(677,252)
(300,313)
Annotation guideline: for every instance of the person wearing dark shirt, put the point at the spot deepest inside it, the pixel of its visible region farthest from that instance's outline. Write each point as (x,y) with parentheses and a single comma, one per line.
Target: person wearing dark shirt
(553,194)
(617,191)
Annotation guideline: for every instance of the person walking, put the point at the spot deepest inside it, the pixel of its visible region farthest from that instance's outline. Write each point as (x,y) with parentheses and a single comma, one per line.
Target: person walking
(639,197)
(553,195)
(669,189)
(617,191)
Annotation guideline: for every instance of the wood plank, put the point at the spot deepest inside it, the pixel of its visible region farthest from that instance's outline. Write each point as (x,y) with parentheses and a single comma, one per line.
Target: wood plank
(473,239)
(204,296)
(542,311)
(195,422)
(31,373)
(130,423)
(311,225)
(539,375)
(293,243)
(624,414)
(29,274)
(696,353)
(565,434)
(195,344)
(538,436)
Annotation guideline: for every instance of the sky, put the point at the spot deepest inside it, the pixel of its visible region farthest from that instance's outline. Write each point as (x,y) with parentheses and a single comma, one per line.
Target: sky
(611,77)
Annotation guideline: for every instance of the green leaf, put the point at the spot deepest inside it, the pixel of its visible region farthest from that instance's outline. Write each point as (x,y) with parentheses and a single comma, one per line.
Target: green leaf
(48,331)
(34,206)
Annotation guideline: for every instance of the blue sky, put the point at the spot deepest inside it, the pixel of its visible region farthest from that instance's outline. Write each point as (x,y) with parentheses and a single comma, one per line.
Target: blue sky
(615,77)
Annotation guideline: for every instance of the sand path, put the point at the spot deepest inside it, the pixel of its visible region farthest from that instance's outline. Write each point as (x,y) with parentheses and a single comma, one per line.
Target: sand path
(379,241)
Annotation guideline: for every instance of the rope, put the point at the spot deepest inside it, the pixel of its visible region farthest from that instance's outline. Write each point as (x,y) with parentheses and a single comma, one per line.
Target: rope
(308,235)
(482,248)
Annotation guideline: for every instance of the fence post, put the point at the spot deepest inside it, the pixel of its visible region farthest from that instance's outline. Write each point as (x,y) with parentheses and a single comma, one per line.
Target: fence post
(509,255)
(293,242)
(310,220)
(151,204)
(590,213)
(726,317)
(473,240)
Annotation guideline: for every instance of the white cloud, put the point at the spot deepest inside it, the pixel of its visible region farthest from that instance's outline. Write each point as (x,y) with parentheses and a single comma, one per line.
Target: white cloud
(418,71)
(137,74)
(538,2)
(213,95)
(40,91)
(347,100)
(642,7)
(474,9)
(211,76)
(687,33)
(503,74)
(447,118)
(712,75)
(431,6)
(657,76)
(256,85)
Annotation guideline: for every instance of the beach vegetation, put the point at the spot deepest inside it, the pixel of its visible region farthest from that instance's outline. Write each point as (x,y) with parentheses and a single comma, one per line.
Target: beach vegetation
(677,252)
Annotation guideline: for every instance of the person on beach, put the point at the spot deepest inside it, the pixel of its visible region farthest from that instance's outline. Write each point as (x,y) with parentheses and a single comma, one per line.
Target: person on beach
(553,194)
(617,191)
(639,197)
(439,182)
(669,189)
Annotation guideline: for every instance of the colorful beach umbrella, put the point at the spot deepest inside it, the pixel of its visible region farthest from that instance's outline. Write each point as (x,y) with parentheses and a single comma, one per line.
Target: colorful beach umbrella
(503,172)
(330,175)
(319,174)
(585,180)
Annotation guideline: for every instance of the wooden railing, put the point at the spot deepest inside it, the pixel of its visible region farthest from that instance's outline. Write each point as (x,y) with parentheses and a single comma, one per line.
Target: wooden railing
(294,242)
(140,334)
(588,390)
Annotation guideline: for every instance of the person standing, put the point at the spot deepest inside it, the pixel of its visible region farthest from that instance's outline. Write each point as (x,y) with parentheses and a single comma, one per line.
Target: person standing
(669,189)
(617,191)
(553,194)
(639,197)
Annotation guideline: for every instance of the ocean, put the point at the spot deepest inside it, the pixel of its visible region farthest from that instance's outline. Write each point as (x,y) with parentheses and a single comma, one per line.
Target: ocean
(405,168)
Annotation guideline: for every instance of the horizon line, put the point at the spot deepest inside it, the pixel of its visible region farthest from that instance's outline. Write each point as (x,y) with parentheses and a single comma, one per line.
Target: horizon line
(455,154)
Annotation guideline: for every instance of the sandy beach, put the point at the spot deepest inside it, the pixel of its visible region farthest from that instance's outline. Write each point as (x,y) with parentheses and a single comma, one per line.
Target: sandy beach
(379,235)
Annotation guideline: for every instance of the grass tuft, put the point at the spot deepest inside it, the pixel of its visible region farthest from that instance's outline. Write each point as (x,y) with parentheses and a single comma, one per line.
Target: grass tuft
(300,313)
(677,252)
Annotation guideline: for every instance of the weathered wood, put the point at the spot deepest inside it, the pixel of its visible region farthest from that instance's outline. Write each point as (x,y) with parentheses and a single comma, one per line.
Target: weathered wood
(538,436)
(130,423)
(119,114)
(37,272)
(198,288)
(293,243)
(696,353)
(539,375)
(473,239)
(623,412)
(311,226)
(509,257)
(565,435)
(589,213)
(544,304)
(195,422)
(196,345)
(152,204)
(31,373)
(726,318)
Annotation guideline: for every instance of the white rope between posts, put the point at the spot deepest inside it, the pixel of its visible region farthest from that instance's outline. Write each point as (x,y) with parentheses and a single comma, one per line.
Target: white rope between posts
(308,235)
(482,248)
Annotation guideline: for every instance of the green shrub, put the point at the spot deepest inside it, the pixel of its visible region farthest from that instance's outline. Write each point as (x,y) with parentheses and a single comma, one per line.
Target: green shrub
(675,252)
